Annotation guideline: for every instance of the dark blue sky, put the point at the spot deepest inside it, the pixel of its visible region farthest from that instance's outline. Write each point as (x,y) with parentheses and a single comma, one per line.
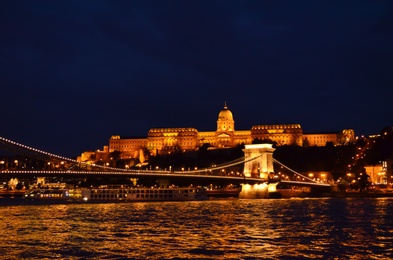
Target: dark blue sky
(73,73)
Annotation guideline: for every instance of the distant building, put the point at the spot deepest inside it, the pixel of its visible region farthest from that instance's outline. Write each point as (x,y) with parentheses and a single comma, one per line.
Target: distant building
(167,140)
(381,173)
(346,136)
(377,173)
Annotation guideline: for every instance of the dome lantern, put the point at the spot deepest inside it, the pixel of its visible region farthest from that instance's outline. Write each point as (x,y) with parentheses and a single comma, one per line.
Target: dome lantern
(225,120)
(225,114)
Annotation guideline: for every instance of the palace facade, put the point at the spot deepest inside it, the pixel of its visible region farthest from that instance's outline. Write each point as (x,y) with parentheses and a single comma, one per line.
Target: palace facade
(167,140)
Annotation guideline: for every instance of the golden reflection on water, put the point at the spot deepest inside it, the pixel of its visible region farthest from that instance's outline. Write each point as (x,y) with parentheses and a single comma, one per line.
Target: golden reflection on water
(218,229)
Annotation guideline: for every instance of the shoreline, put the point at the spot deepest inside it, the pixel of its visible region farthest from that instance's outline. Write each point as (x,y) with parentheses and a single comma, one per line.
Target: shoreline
(20,199)
(361,194)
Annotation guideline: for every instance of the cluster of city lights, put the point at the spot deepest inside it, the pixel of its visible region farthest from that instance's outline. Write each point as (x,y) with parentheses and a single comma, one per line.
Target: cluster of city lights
(121,170)
(113,170)
(136,172)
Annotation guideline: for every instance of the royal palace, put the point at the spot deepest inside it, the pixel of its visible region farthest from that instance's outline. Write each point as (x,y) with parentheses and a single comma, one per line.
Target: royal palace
(168,140)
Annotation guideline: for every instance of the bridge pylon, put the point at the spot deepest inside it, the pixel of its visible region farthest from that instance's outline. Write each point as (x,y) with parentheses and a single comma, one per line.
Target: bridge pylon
(262,166)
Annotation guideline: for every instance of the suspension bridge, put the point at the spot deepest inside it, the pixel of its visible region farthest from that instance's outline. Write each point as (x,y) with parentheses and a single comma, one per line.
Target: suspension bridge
(259,168)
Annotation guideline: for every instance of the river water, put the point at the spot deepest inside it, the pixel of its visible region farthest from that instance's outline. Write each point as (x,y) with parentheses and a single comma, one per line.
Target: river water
(214,229)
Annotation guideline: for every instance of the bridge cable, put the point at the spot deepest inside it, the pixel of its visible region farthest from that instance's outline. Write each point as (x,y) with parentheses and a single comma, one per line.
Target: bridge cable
(283,165)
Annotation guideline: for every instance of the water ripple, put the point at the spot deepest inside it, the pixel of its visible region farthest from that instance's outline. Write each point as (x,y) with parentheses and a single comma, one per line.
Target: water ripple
(227,229)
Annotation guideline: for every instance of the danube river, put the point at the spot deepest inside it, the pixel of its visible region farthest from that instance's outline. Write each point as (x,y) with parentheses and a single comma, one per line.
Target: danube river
(213,229)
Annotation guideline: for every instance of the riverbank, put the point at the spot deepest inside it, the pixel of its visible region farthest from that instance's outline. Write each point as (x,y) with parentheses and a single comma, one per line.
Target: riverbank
(12,193)
(361,194)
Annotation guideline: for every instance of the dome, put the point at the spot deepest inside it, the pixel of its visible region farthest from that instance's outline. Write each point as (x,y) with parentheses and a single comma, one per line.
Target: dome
(225,114)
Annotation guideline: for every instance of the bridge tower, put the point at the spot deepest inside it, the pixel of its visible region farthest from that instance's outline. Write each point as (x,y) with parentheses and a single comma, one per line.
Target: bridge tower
(262,166)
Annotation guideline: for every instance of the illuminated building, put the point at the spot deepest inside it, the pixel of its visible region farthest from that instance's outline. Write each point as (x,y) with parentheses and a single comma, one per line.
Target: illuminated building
(377,173)
(281,134)
(167,140)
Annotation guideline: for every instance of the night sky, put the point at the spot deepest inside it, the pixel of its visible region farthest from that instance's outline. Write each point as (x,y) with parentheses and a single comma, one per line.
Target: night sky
(73,73)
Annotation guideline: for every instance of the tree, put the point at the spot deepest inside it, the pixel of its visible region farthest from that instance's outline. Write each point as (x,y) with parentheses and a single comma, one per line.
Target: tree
(19,186)
(115,156)
(363,181)
(343,184)
(264,141)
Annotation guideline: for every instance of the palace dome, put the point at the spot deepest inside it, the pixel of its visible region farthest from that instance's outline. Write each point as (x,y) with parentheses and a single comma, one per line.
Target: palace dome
(225,114)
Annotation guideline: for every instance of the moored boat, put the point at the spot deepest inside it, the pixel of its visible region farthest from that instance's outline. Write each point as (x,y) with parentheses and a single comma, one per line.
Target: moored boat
(47,194)
(297,190)
(120,193)
(143,194)
(224,193)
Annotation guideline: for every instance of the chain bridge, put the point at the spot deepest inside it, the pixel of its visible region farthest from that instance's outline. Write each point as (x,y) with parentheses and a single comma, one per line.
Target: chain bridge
(260,170)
